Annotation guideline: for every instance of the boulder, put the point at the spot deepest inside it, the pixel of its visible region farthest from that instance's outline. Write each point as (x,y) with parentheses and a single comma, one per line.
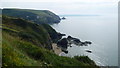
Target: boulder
(65,51)
(69,37)
(63,43)
(88,42)
(76,40)
(83,44)
(63,18)
(59,34)
(89,51)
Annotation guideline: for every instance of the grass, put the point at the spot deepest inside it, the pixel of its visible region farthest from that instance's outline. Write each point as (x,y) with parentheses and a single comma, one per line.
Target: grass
(14,57)
(17,52)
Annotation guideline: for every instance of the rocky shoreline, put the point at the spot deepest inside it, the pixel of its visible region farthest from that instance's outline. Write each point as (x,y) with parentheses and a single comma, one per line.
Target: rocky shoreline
(63,44)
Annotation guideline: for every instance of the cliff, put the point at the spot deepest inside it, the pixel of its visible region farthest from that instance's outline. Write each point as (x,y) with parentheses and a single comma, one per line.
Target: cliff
(37,16)
(25,43)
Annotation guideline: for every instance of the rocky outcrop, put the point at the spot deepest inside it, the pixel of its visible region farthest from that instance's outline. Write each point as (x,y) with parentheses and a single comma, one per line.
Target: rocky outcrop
(88,42)
(77,41)
(63,18)
(63,43)
(89,51)
(66,42)
(73,39)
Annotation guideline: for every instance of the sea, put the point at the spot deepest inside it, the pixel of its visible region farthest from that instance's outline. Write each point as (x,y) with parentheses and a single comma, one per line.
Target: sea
(101,30)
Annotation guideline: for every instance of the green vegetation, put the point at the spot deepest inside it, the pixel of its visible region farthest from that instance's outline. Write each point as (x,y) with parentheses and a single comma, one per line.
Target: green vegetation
(17,52)
(27,31)
(25,43)
(37,16)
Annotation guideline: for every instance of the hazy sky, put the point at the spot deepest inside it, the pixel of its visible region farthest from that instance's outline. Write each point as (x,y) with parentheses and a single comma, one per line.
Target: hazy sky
(60,0)
(91,7)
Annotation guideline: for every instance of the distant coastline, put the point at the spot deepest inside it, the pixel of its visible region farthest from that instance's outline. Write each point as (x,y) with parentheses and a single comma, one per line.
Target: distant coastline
(77,15)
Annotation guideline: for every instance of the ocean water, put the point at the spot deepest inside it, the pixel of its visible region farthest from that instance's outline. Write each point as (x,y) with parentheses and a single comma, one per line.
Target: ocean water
(102,31)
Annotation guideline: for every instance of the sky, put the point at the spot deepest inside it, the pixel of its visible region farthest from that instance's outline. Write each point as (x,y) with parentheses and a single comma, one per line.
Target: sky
(60,0)
(61,7)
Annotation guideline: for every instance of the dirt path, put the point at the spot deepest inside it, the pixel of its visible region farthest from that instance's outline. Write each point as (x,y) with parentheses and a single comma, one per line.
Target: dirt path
(56,49)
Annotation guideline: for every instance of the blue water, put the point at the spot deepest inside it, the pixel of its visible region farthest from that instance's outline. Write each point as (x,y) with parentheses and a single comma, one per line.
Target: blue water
(101,30)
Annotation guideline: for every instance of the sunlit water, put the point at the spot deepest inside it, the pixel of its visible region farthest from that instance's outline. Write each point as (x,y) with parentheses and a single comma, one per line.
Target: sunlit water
(101,30)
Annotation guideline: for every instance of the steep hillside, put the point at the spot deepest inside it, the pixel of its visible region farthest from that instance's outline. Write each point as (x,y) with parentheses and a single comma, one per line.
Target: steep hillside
(41,35)
(28,44)
(37,16)
(28,31)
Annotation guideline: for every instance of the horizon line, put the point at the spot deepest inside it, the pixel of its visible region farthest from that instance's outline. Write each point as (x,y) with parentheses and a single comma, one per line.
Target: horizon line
(78,15)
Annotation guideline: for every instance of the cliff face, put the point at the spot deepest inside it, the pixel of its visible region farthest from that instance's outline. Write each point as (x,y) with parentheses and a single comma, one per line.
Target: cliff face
(37,16)
(55,36)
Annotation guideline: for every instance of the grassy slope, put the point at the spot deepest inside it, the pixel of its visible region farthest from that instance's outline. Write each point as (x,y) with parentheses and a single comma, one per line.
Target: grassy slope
(20,47)
(17,52)
(37,16)
(28,31)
